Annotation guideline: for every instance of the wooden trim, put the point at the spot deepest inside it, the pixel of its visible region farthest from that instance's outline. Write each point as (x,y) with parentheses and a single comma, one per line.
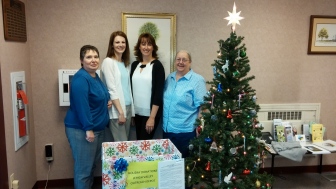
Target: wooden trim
(60,183)
(277,170)
(298,169)
(3,154)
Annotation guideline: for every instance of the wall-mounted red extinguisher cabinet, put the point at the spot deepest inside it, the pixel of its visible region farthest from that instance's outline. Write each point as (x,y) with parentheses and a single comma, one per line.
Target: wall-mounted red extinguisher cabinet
(21,101)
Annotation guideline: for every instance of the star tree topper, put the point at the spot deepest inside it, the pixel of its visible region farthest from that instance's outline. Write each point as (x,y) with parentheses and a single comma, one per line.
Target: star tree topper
(234,17)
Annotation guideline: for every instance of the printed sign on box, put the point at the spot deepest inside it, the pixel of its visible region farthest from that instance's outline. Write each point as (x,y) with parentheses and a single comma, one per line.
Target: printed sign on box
(142,175)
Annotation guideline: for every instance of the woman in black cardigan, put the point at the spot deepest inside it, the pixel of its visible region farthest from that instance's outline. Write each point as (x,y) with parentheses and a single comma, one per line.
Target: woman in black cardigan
(147,81)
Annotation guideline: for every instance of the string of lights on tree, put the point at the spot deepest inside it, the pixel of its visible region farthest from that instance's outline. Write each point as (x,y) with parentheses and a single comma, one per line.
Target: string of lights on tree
(227,153)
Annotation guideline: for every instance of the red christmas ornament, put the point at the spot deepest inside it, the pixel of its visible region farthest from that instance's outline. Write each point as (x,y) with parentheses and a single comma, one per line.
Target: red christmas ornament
(229,115)
(199,129)
(246,172)
(208,166)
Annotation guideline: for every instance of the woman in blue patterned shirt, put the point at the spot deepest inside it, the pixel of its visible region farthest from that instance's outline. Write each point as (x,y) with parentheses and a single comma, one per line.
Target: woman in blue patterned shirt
(183,95)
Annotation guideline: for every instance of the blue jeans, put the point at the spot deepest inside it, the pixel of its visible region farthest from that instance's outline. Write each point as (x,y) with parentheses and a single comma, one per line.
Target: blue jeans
(85,154)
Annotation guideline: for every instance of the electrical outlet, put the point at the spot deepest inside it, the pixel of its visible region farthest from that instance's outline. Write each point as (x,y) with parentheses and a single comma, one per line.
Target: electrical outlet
(11,179)
(49,152)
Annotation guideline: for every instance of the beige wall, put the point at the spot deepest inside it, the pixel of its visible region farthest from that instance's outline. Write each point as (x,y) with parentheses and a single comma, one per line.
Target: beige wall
(276,37)
(15,56)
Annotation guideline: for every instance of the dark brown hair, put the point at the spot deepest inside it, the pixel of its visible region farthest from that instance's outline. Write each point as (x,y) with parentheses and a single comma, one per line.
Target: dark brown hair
(85,49)
(110,51)
(145,37)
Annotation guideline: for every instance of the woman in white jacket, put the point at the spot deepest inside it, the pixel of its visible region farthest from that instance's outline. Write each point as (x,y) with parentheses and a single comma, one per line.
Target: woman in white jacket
(115,74)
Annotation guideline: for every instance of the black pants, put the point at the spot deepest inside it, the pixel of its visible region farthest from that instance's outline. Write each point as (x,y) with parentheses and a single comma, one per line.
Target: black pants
(140,125)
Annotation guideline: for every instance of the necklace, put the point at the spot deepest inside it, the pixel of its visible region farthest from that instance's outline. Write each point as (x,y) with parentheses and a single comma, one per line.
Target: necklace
(144,65)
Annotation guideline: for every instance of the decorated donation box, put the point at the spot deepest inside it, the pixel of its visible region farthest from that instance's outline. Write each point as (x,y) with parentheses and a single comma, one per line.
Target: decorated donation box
(141,164)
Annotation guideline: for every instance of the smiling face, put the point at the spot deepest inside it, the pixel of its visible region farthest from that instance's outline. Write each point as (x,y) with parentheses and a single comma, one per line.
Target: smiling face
(146,47)
(119,45)
(90,62)
(182,62)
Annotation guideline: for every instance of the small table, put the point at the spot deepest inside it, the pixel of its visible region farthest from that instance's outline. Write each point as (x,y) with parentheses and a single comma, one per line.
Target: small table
(273,155)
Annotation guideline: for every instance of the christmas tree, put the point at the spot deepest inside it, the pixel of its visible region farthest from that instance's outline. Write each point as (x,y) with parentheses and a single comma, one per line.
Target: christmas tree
(227,153)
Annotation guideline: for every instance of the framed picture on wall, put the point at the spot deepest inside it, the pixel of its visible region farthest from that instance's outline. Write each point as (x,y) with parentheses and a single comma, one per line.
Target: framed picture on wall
(322,35)
(163,28)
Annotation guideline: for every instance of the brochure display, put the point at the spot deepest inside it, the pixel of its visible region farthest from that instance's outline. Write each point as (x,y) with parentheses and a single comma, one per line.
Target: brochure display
(289,133)
(283,131)
(329,145)
(315,149)
(317,132)
(276,123)
(137,164)
(300,138)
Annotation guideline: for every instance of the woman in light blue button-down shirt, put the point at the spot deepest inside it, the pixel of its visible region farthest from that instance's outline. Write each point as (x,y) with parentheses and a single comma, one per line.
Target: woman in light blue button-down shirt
(183,95)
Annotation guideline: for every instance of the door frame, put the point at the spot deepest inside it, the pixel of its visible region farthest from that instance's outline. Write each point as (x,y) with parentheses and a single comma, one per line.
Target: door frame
(3,155)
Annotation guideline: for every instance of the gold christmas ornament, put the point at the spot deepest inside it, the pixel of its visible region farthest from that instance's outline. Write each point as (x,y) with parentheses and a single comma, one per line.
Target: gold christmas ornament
(257,183)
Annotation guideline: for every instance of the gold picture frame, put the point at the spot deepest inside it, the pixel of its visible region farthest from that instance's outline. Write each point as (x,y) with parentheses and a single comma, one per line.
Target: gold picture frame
(322,35)
(164,25)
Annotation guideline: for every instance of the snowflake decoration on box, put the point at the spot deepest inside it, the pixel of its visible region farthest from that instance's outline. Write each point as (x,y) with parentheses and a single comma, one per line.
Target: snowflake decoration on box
(165,144)
(141,158)
(122,147)
(134,150)
(106,165)
(145,145)
(106,179)
(156,149)
(168,156)
(149,158)
(110,152)
(175,156)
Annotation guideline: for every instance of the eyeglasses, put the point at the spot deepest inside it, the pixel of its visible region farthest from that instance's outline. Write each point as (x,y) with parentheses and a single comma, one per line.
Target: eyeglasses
(183,60)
